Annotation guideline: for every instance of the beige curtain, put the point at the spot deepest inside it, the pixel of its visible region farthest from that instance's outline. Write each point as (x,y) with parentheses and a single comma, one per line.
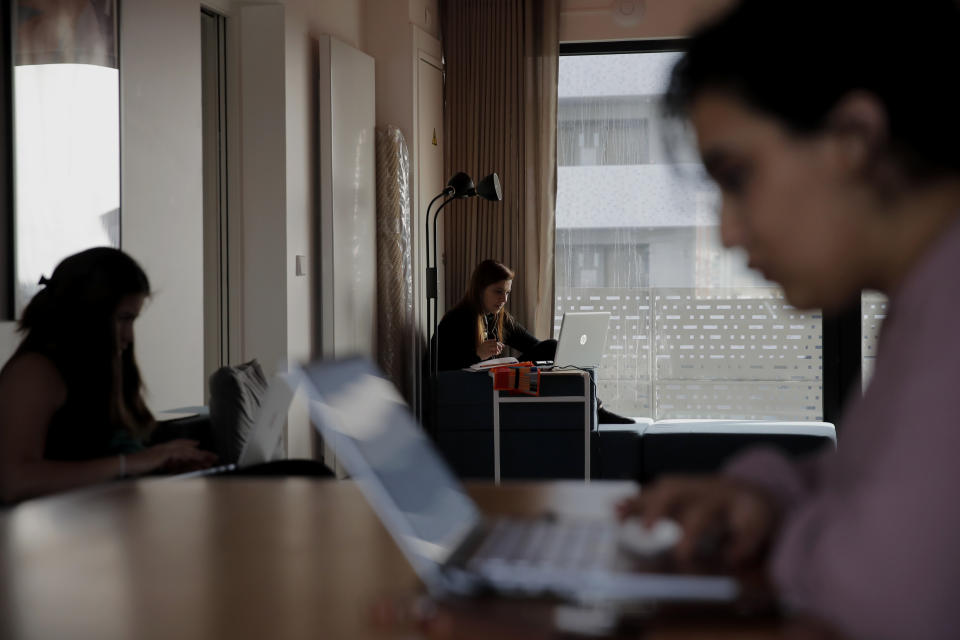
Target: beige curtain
(500,114)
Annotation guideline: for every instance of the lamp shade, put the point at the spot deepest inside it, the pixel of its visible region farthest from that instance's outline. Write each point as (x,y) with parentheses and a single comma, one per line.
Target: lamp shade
(489,188)
(461,185)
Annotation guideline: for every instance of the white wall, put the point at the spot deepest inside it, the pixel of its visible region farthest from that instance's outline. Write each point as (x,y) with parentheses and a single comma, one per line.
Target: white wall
(348,229)
(386,35)
(277,200)
(301,212)
(262,178)
(398,46)
(274,194)
(305,21)
(161,190)
(275,211)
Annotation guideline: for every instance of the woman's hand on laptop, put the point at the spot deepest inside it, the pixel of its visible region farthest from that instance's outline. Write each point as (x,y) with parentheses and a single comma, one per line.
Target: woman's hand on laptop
(718,515)
(176,455)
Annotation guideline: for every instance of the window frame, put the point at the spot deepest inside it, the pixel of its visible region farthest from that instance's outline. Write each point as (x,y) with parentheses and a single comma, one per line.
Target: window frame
(7,258)
(841,339)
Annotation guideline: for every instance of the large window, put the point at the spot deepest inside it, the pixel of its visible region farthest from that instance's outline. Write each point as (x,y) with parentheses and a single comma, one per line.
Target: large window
(693,333)
(66,107)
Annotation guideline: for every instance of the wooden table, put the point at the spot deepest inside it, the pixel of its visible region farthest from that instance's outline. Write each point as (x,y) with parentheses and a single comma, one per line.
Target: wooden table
(236,558)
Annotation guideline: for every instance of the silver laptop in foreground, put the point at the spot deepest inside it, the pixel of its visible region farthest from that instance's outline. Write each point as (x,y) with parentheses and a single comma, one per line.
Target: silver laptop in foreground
(440,530)
(583,335)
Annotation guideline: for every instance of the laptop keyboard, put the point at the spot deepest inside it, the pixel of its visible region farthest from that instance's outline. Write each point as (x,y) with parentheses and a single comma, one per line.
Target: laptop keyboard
(566,545)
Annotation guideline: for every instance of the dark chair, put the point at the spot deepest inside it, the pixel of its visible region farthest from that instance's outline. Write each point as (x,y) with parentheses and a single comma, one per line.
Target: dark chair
(236,395)
(704,446)
(539,439)
(194,427)
(617,450)
(289,468)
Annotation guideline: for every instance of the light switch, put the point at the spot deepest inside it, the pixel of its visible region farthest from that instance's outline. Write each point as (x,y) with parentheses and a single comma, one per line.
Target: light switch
(301,265)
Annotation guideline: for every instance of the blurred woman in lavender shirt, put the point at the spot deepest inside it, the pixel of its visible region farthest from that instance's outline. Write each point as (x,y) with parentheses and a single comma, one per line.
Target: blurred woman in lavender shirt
(833,131)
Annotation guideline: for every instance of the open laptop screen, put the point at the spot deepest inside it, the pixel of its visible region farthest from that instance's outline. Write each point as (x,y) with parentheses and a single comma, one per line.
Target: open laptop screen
(361,415)
(583,335)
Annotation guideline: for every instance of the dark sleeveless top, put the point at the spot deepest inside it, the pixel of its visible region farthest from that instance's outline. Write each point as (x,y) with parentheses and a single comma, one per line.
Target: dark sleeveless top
(76,434)
(80,429)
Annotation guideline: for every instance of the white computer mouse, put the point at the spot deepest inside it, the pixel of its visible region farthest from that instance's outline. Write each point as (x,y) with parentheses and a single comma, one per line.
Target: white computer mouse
(662,536)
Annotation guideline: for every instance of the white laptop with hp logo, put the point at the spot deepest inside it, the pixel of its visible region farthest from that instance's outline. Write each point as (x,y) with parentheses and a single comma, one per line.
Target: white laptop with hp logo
(583,335)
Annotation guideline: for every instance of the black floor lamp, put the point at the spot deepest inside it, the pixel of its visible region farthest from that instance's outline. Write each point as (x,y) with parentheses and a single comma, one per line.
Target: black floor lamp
(460,186)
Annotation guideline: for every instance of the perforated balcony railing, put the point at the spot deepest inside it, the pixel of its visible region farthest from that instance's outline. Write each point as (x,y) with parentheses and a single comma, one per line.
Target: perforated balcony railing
(690,353)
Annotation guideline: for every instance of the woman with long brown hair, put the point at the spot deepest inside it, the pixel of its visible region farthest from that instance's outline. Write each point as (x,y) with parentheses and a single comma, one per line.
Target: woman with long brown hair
(480,326)
(71,397)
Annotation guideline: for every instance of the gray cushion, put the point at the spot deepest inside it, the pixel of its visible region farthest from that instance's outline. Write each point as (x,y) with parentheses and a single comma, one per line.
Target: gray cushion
(235,397)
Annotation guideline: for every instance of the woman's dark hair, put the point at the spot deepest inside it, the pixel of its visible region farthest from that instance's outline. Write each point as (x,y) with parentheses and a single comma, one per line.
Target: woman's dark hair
(796,60)
(71,320)
(487,273)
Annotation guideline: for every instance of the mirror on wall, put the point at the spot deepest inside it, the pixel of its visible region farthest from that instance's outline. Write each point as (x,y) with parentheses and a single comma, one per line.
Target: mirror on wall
(66,122)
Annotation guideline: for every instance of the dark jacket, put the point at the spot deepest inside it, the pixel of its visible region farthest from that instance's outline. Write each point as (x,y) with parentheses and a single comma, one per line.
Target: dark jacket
(456,339)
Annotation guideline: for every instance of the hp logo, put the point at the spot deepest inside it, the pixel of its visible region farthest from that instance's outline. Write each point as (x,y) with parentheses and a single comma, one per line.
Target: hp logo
(583,339)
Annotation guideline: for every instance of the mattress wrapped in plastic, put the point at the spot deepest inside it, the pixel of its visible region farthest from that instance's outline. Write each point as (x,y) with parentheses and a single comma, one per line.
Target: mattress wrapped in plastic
(396,333)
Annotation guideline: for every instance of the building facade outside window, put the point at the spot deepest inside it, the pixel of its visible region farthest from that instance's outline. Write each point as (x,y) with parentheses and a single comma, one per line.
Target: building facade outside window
(693,333)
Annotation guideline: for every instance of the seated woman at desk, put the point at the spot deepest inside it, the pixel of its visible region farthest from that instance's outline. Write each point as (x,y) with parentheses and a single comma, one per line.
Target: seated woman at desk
(838,174)
(480,326)
(71,406)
